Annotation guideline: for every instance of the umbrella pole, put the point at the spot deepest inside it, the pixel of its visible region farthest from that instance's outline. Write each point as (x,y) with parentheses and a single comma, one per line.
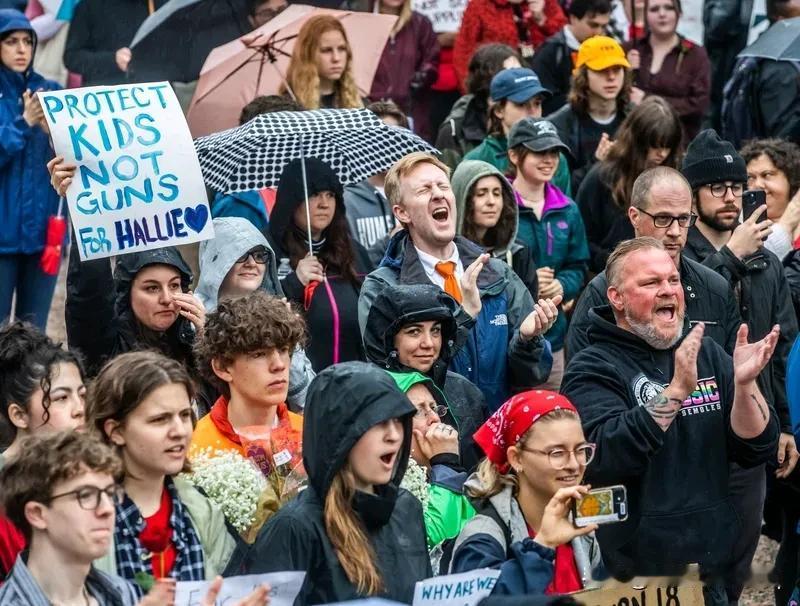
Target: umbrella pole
(291,94)
(305,193)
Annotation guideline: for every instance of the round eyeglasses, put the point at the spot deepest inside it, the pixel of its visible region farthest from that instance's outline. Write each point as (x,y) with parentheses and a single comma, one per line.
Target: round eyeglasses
(438,409)
(559,457)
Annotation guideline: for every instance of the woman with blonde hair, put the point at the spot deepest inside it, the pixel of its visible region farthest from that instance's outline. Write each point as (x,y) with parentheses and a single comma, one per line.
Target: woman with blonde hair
(320,73)
(536,455)
(353,530)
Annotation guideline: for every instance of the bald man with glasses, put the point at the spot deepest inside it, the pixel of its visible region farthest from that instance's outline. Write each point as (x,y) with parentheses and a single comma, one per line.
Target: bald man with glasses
(661,207)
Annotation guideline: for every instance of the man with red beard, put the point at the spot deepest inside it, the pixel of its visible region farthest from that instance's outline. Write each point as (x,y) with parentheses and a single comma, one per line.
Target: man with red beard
(668,416)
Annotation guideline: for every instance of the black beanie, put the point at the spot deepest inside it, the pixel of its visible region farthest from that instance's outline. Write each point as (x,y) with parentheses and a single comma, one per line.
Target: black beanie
(710,159)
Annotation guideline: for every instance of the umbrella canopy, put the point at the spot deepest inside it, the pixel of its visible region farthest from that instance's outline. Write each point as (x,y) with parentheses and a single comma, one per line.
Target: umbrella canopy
(353,142)
(179,36)
(780,42)
(256,64)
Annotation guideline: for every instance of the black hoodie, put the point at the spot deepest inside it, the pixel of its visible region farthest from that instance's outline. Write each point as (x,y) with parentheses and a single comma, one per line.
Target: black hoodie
(332,310)
(343,403)
(99,318)
(401,305)
(677,480)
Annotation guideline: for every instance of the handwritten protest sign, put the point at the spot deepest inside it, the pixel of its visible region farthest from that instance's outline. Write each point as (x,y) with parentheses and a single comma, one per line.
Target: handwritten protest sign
(138,184)
(284,587)
(445,15)
(655,593)
(465,589)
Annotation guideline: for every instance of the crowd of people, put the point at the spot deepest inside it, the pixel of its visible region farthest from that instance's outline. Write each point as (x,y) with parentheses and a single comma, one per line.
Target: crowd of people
(422,373)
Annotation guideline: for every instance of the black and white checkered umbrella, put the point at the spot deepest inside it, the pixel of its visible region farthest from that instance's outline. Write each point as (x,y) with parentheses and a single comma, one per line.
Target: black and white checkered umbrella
(353,142)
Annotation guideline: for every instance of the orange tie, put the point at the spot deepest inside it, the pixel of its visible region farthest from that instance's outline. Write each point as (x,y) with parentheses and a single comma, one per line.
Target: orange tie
(447,269)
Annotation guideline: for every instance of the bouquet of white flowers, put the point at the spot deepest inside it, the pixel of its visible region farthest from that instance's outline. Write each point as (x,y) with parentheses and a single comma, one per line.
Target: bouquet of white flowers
(231,481)
(416,482)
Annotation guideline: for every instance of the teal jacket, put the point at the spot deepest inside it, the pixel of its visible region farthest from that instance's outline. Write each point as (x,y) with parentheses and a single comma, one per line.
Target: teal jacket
(558,241)
(494,150)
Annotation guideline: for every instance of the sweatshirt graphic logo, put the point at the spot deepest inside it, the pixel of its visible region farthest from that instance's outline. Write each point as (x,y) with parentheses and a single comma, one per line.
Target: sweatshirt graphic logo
(704,398)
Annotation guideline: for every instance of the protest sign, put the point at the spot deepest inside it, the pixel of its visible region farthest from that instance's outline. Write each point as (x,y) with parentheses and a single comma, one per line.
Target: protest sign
(445,15)
(138,185)
(284,587)
(465,589)
(655,593)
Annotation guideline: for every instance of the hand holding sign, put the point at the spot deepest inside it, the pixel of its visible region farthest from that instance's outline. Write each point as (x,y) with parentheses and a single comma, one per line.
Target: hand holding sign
(61,175)
(130,172)
(259,597)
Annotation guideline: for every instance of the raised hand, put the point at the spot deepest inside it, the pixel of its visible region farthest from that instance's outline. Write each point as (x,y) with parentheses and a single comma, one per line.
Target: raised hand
(438,439)
(191,308)
(684,379)
(540,320)
(748,237)
(749,359)
(32,111)
(470,294)
(557,528)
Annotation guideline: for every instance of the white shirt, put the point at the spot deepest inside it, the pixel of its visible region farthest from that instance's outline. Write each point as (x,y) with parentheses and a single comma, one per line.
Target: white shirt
(429,265)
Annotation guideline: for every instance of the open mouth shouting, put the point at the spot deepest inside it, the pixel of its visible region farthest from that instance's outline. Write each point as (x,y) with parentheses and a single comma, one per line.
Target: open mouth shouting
(441,214)
(388,459)
(667,312)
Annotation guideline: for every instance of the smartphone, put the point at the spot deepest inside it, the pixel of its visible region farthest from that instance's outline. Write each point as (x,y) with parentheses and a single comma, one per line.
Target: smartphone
(751,200)
(601,506)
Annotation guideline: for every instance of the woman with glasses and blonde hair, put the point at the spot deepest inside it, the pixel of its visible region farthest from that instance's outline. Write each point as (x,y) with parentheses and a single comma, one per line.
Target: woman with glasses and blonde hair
(536,455)
(320,73)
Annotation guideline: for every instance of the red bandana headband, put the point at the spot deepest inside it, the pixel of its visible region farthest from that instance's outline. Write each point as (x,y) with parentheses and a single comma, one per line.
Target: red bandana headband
(510,422)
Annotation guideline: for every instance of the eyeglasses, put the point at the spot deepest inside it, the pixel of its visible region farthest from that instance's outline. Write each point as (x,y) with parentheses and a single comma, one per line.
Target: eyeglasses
(663,221)
(259,255)
(718,190)
(559,458)
(438,409)
(88,497)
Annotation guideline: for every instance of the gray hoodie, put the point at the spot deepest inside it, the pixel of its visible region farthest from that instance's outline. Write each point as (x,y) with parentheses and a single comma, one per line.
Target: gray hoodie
(234,236)
(369,214)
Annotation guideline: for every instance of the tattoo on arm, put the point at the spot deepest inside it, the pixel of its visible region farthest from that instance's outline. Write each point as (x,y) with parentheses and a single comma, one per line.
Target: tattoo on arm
(760,406)
(663,409)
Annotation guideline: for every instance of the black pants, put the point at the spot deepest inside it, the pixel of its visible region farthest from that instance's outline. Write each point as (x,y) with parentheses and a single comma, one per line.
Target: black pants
(747,490)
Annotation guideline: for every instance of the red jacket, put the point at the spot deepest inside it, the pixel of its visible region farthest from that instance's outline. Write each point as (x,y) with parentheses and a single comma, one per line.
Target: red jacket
(487,21)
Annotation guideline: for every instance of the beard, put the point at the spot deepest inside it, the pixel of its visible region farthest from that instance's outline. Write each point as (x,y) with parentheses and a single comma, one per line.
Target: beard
(646,331)
(714,222)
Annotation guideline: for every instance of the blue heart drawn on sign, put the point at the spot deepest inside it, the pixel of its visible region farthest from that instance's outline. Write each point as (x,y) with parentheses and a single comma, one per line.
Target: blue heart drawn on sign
(196,218)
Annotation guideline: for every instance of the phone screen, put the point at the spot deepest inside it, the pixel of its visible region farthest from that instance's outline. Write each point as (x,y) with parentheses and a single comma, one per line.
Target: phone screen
(602,506)
(752,199)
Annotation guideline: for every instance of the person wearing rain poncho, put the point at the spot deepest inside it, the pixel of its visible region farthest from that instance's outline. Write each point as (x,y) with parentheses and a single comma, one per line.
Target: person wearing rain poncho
(238,261)
(352,531)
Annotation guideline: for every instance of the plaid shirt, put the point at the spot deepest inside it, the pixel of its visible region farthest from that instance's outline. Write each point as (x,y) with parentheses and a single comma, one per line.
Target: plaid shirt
(21,589)
(133,558)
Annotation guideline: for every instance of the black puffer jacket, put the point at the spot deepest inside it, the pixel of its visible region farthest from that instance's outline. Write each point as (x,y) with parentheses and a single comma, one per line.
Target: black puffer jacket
(708,297)
(399,306)
(99,318)
(331,309)
(343,403)
(764,301)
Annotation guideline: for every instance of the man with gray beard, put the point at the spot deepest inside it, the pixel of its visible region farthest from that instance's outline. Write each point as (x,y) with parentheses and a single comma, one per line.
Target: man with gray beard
(668,415)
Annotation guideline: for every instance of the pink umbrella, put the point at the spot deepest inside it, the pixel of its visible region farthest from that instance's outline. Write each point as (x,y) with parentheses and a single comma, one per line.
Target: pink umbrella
(255,64)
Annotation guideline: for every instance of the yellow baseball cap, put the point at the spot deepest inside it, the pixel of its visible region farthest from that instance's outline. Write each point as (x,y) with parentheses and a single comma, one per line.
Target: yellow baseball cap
(601,52)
